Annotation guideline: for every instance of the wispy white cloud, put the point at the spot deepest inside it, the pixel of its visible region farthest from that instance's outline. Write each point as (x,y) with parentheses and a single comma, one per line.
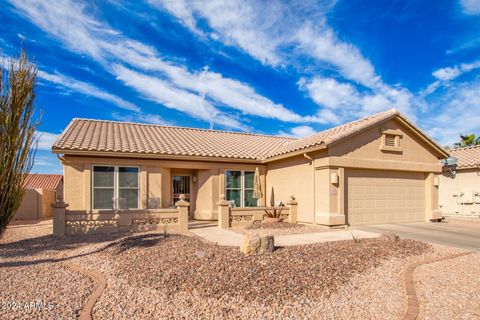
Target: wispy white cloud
(142,118)
(324,45)
(280,34)
(456,112)
(74,24)
(46,163)
(342,101)
(471,6)
(298,132)
(451,73)
(87,89)
(275,32)
(162,92)
(46,140)
(445,77)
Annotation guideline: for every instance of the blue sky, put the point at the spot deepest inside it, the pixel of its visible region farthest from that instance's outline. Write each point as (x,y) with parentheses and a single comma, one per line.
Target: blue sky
(276,67)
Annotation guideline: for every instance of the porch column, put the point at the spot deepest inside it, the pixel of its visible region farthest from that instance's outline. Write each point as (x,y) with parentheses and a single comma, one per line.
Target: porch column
(182,207)
(433,213)
(223,213)
(292,203)
(59,221)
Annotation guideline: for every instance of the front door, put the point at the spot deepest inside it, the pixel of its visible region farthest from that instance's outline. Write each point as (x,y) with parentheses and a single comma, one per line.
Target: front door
(181,184)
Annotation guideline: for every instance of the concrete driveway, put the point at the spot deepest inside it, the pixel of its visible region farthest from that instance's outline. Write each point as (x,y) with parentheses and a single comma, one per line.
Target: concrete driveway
(439,233)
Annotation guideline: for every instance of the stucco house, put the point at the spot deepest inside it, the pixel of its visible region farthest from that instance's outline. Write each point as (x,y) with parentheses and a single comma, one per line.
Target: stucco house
(459,190)
(41,190)
(378,169)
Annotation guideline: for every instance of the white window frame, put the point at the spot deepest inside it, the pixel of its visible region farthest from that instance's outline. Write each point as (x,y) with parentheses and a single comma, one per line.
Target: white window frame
(242,186)
(116,187)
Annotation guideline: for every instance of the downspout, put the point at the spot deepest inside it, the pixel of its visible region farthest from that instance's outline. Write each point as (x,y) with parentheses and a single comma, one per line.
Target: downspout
(306,156)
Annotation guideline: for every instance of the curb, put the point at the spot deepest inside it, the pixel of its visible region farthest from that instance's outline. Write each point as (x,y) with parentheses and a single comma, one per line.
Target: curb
(413,306)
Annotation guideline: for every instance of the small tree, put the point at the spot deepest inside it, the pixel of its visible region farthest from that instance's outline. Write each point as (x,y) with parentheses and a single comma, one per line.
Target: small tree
(18,141)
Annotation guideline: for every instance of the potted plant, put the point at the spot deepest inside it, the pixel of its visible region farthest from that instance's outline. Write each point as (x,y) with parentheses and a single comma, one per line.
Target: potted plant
(273,213)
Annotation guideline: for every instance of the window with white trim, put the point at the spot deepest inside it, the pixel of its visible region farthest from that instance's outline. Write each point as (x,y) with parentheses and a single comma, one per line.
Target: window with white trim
(239,188)
(110,182)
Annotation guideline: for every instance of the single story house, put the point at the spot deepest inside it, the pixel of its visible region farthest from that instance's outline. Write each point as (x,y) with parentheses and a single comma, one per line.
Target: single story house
(459,190)
(378,169)
(41,191)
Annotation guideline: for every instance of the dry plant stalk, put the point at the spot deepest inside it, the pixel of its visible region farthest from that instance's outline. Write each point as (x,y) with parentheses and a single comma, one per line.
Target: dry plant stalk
(18,140)
(274,212)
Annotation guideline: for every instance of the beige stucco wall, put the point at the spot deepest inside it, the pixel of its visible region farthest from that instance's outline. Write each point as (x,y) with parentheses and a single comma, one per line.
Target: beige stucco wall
(294,176)
(31,206)
(308,177)
(366,146)
(155,181)
(324,202)
(36,204)
(466,181)
(48,198)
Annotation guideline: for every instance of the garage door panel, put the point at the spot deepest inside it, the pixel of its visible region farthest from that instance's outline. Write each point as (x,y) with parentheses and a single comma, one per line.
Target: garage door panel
(375,197)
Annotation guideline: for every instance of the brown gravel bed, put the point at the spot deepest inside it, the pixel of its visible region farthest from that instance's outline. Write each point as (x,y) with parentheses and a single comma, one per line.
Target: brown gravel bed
(280,229)
(449,289)
(32,272)
(185,277)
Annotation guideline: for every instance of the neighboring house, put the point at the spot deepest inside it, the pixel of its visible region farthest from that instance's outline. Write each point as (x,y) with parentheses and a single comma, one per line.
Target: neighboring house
(379,169)
(41,191)
(460,192)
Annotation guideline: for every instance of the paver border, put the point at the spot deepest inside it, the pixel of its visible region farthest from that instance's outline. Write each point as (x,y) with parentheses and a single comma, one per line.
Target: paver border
(86,311)
(413,306)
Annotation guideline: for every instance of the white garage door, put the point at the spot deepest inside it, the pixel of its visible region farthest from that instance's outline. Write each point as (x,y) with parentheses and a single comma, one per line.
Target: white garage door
(376,197)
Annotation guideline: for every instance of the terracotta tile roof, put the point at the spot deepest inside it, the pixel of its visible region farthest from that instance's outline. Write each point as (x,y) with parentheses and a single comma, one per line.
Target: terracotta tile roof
(124,137)
(42,181)
(332,135)
(468,157)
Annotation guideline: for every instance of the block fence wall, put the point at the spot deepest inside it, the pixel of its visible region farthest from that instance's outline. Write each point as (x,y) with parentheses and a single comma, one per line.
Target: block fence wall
(67,222)
(235,217)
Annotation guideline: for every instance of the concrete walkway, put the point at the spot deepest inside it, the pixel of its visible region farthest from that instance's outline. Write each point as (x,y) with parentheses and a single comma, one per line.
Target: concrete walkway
(220,236)
(229,238)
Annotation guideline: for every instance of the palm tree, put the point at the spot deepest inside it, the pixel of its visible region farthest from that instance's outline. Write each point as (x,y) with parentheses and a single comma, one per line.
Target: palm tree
(467,141)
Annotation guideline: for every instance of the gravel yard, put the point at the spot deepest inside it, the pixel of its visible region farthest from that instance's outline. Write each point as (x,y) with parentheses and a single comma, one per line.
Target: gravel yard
(150,276)
(280,229)
(186,277)
(449,289)
(33,281)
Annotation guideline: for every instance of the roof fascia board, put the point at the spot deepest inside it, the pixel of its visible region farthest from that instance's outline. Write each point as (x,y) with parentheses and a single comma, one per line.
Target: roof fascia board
(150,156)
(294,153)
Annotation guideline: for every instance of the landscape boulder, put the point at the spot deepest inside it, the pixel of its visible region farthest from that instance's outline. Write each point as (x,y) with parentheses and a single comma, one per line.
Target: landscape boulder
(255,244)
